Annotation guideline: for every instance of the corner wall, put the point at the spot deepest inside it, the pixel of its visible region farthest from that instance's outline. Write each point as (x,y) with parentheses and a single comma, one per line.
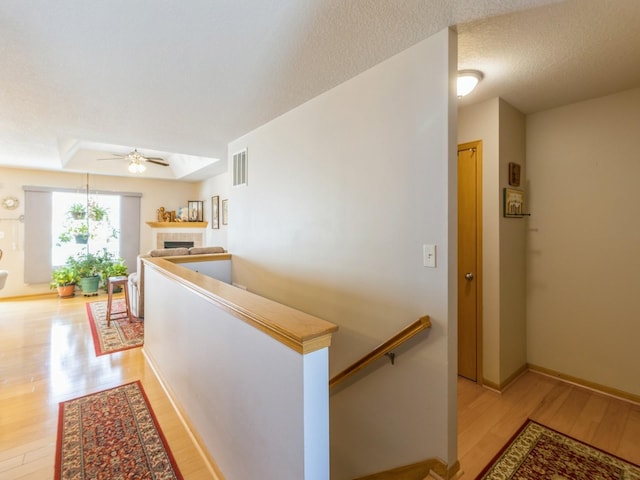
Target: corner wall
(583,249)
(343,192)
(502,131)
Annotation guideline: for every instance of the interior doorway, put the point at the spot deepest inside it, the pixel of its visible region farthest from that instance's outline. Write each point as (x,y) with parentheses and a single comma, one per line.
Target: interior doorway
(470,260)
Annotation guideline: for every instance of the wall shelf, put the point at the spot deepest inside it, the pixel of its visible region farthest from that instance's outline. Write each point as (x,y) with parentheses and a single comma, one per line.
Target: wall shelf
(178,224)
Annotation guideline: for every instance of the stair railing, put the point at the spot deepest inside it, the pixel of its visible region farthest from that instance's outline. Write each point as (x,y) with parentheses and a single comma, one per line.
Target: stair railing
(383,349)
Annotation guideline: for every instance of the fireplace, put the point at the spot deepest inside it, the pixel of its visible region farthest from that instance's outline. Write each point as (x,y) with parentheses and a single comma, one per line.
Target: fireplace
(177,244)
(177,234)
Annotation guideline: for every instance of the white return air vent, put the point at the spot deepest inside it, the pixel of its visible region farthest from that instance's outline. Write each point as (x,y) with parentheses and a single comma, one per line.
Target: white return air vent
(240,168)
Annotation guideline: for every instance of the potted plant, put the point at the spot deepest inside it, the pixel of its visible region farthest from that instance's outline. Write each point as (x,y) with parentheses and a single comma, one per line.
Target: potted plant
(64,279)
(97,213)
(77,211)
(88,267)
(80,233)
(114,268)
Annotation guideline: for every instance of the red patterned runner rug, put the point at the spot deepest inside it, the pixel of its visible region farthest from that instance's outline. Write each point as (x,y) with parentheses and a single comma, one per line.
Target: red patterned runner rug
(121,334)
(540,453)
(112,434)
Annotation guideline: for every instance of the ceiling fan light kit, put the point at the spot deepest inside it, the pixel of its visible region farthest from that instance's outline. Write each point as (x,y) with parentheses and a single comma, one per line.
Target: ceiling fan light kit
(136,167)
(137,161)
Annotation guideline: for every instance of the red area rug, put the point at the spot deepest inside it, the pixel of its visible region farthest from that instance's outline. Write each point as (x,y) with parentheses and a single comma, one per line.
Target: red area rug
(540,453)
(121,334)
(112,434)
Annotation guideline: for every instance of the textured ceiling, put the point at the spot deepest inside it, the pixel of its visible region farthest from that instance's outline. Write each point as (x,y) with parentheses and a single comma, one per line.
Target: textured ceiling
(182,79)
(556,55)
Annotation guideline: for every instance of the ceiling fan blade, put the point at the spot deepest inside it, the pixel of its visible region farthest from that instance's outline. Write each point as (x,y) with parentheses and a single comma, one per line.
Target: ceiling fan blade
(157,161)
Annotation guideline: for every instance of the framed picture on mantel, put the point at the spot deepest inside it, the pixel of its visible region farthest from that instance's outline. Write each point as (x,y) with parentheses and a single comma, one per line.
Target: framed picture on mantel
(195,210)
(215,212)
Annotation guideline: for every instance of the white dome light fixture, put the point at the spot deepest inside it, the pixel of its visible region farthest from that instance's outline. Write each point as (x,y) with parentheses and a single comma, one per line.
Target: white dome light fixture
(467,81)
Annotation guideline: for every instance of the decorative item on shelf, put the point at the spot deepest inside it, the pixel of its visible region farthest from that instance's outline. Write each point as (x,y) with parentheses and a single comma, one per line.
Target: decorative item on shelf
(225,211)
(165,215)
(195,210)
(160,215)
(183,214)
(514,203)
(215,212)
(514,174)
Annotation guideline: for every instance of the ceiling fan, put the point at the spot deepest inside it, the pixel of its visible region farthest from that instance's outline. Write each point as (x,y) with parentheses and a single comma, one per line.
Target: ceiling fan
(137,161)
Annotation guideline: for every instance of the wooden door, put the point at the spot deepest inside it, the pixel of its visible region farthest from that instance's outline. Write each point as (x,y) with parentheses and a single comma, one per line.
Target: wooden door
(469,258)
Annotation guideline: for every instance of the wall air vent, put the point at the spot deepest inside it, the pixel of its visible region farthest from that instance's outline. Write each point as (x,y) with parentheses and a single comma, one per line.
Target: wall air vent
(240,168)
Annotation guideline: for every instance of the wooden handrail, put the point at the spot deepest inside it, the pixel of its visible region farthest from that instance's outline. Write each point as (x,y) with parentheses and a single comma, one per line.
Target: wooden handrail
(399,338)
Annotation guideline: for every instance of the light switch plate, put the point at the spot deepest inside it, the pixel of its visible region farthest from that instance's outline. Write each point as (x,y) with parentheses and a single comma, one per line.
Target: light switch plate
(429,255)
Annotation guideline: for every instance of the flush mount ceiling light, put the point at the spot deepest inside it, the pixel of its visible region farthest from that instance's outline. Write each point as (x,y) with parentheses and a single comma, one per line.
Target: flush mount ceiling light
(467,81)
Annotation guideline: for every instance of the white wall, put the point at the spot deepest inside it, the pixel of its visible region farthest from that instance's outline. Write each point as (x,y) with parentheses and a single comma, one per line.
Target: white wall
(502,130)
(343,192)
(155,193)
(513,325)
(218,185)
(583,247)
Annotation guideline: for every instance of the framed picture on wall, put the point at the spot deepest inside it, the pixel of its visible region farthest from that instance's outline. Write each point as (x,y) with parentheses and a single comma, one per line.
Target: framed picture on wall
(215,211)
(225,211)
(513,203)
(514,174)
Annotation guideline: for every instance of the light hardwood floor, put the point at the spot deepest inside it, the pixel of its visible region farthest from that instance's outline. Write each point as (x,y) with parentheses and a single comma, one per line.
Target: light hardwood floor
(47,356)
(487,420)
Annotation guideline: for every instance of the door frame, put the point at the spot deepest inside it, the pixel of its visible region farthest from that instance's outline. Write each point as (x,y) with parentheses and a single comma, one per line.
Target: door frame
(477,144)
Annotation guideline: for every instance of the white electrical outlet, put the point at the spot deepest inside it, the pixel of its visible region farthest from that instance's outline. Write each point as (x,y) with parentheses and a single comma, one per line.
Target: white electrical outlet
(429,256)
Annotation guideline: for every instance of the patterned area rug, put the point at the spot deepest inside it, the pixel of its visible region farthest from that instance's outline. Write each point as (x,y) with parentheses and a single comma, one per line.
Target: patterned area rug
(120,335)
(539,453)
(112,435)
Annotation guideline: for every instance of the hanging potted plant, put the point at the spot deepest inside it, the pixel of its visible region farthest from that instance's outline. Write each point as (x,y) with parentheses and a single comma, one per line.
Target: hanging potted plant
(64,279)
(97,213)
(77,211)
(81,233)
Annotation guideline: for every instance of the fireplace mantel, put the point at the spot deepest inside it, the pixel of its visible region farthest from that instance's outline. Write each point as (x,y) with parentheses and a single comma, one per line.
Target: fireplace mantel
(178,224)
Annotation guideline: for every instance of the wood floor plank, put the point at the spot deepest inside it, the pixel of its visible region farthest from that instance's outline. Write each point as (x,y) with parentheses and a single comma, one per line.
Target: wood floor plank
(608,435)
(630,440)
(590,417)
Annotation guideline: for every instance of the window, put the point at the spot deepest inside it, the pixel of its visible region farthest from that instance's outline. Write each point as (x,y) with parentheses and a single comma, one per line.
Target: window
(39,240)
(95,226)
